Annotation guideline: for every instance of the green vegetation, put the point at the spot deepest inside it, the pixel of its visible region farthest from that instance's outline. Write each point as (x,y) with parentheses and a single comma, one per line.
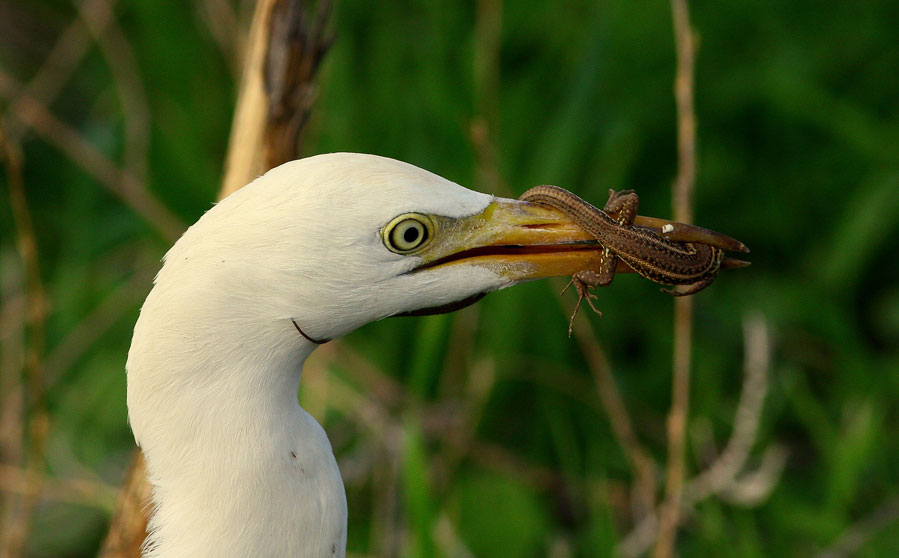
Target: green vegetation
(482,430)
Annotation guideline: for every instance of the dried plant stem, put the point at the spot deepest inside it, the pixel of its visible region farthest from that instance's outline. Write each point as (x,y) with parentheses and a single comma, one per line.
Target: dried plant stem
(128,528)
(732,459)
(36,304)
(251,151)
(244,159)
(683,308)
(484,127)
(224,26)
(851,541)
(94,325)
(76,491)
(619,418)
(727,476)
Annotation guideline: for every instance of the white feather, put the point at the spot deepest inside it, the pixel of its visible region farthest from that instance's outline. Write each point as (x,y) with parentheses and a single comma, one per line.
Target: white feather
(238,468)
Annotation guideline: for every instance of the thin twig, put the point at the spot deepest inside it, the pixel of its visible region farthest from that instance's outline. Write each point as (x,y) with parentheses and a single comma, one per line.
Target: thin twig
(725,476)
(69,50)
(117,50)
(683,309)
(619,418)
(36,305)
(748,415)
(120,182)
(484,127)
(76,491)
(855,537)
(12,362)
(224,26)
(95,324)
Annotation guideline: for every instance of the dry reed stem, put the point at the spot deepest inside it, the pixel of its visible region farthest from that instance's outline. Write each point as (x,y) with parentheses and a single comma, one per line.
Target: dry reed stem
(244,160)
(19,523)
(298,41)
(682,197)
(247,157)
(726,476)
(12,362)
(128,527)
(373,414)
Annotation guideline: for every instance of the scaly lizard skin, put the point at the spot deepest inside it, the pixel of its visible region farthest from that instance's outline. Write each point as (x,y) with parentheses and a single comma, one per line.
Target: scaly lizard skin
(643,249)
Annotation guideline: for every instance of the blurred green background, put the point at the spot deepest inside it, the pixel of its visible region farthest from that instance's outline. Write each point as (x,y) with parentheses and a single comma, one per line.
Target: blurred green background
(481,433)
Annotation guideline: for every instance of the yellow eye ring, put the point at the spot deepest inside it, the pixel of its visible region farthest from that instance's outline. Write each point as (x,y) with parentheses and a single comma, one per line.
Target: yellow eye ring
(407,233)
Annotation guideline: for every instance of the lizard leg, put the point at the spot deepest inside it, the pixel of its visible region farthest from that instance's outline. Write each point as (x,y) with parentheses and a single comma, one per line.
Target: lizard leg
(587,279)
(624,203)
(692,288)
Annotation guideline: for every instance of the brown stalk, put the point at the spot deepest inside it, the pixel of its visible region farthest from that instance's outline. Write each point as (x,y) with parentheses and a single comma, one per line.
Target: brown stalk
(12,391)
(253,148)
(36,304)
(682,196)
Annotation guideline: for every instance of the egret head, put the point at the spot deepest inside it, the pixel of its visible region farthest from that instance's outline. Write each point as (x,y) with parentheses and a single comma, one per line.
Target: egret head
(336,241)
(329,243)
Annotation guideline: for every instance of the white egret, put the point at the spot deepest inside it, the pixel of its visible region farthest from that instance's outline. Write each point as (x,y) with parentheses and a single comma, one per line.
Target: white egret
(308,252)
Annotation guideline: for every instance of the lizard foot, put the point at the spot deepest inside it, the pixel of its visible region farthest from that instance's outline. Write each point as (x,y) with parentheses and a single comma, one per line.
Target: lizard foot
(583,292)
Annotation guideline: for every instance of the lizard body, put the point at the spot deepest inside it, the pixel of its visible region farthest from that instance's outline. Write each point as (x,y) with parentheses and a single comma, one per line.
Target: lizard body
(643,249)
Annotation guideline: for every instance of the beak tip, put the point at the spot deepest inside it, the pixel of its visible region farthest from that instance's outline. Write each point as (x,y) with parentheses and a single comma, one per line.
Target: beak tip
(734,263)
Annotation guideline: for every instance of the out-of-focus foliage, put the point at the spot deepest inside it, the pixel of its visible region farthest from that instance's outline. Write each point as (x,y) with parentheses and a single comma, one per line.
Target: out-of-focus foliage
(798,111)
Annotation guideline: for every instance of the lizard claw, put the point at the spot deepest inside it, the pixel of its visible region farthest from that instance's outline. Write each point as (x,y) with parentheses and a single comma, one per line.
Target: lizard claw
(583,293)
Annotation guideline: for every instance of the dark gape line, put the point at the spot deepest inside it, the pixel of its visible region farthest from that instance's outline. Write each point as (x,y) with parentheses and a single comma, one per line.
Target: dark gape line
(316,341)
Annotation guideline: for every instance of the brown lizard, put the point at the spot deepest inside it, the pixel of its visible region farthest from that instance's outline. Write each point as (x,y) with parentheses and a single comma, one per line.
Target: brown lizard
(647,252)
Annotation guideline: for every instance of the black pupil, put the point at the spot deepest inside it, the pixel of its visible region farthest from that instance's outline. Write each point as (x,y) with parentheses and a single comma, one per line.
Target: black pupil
(410,235)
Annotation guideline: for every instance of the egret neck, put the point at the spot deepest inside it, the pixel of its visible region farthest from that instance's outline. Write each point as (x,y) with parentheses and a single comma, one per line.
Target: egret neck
(233,458)
(324,245)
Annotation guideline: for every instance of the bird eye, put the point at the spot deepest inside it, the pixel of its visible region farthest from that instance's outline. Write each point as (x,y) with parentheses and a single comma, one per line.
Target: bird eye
(407,233)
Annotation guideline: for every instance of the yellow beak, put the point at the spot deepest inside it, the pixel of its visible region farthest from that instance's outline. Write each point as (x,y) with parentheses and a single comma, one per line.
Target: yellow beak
(519,240)
(524,241)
